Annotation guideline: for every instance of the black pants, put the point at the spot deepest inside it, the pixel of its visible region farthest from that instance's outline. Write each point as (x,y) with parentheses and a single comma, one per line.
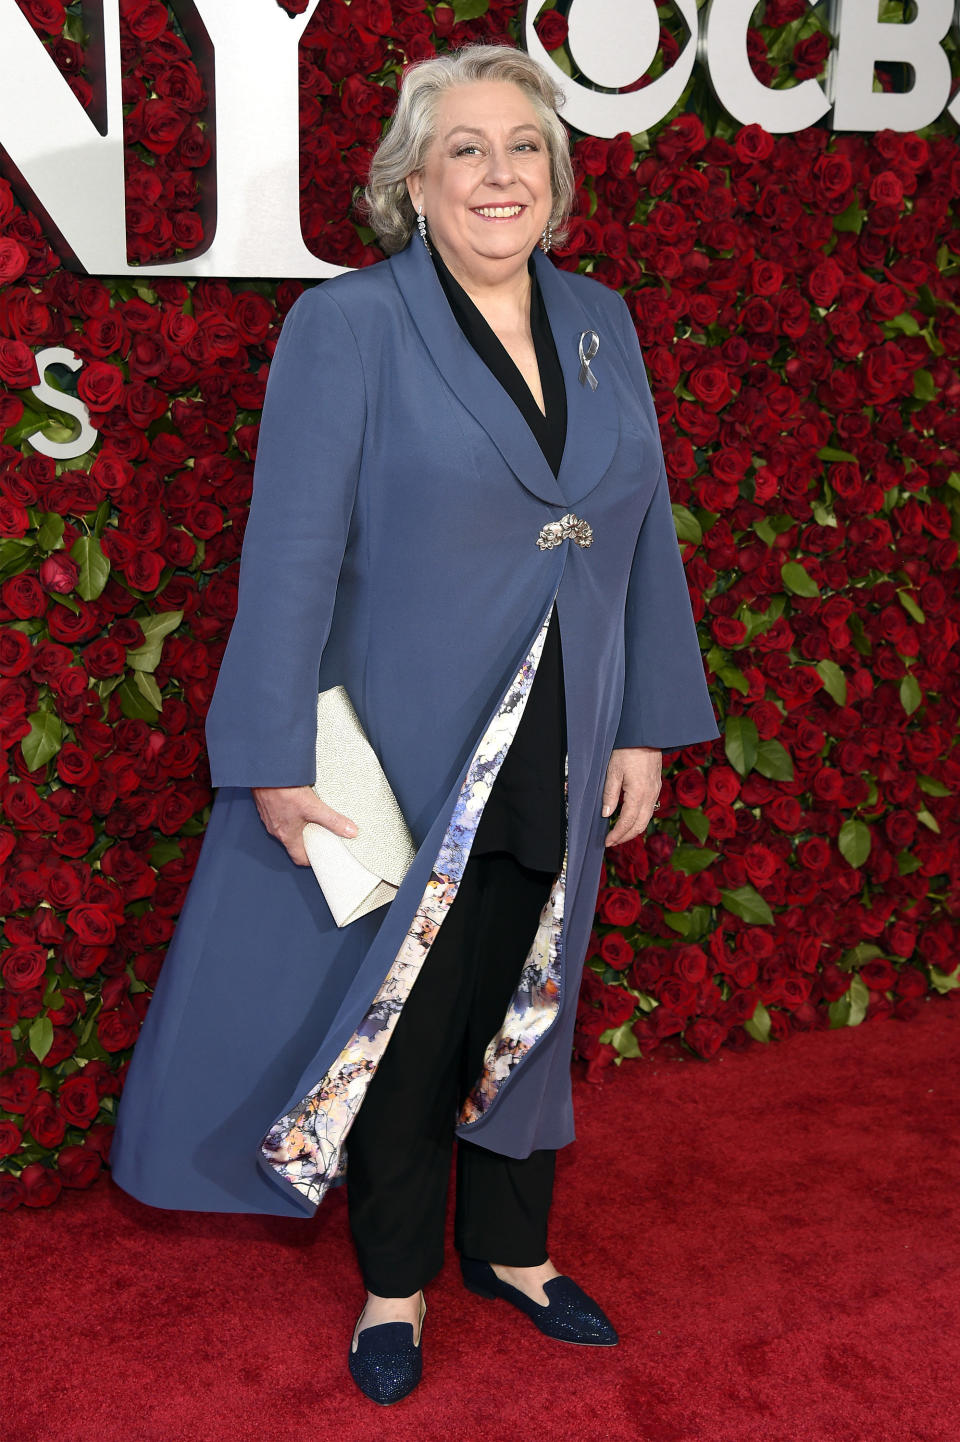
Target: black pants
(400,1145)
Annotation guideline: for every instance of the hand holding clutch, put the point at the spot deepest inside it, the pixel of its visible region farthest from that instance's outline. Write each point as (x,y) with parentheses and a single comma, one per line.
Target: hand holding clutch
(358,873)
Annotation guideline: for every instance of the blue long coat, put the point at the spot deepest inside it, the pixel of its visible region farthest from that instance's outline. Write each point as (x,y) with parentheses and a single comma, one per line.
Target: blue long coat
(396,544)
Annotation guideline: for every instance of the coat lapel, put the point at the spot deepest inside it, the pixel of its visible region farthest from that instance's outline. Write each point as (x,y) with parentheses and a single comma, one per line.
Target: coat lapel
(592,423)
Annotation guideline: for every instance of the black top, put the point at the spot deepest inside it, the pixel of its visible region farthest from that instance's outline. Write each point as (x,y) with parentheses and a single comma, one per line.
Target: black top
(525,813)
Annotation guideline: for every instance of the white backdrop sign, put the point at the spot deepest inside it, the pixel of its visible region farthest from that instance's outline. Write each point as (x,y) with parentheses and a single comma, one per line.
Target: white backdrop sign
(71,161)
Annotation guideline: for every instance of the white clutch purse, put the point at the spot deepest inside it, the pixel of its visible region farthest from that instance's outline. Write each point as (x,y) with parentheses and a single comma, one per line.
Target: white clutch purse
(356,873)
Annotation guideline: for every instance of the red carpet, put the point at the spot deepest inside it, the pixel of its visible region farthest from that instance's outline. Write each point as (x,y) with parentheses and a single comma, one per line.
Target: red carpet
(776,1234)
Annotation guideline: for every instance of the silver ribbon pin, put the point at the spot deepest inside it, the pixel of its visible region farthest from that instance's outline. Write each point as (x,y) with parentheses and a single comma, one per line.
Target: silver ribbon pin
(586,356)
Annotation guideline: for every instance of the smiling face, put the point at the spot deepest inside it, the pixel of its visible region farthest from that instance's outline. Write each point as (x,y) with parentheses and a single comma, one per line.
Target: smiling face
(485,185)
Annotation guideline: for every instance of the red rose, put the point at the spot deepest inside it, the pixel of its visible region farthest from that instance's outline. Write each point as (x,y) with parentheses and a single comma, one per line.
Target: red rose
(105,657)
(59,573)
(879,974)
(111,472)
(710,385)
(46,15)
(79,1099)
(100,385)
(723,785)
(15,652)
(705,1036)
(79,1166)
(690,963)
(911,982)
(145,19)
(10,1138)
(620,906)
(117,1030)
(18,365)
(23,967)
(834,175)
(616,951)
(41,1185)
(11,1193)
(18,1089)
(44,1122)
(886,188)
(753,144)
(551,27)
(94,925)
(180,83)
(14,259)
(592,154)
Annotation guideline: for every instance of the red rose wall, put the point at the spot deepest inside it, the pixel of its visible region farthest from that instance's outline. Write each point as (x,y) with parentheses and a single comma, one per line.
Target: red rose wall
(797,299)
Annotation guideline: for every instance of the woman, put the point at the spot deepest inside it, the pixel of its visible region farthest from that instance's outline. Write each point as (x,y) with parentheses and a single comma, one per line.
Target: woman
(460,512)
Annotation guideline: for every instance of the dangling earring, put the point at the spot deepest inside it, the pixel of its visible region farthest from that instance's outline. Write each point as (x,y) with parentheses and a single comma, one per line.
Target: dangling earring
(422,227)
(546,239)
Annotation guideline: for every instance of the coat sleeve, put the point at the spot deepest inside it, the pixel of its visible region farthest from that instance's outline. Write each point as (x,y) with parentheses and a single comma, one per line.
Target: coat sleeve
(261,724)
(666,703)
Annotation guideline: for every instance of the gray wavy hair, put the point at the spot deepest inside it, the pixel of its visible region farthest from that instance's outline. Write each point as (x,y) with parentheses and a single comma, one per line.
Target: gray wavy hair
(385,202)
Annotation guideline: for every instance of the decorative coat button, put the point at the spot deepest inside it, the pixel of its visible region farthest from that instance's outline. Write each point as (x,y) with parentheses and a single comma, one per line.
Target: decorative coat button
(568,528)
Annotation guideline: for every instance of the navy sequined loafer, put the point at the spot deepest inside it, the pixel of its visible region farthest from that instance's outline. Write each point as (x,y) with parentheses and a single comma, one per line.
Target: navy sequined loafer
(386,1361)
(571,1316)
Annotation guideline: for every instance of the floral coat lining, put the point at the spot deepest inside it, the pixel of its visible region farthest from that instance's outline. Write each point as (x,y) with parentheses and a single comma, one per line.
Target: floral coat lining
(306,1146)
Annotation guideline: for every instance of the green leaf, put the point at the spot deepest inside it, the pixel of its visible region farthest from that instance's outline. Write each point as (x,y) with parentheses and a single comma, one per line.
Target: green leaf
(860,638)
(905,322)
(677,921)
(942,981)
(623,1040)
(854,842)
(758,1025)
(148,687)
(50,531)
(849,219)
(765,531)
(94,566)
(469,9)
(40,1036)
(734,678)
(687,526)
(796,579)
(907,863)
(692,859)
(51,993)
(108,684)
(923,385)
(834,681)
(832,453)
(911,607)
(164,851)
(16,555)
(859,995)
(29,422)
(43,740)
(740,743)
(910,693)
(154,628)
(68,601)
(747,903)
(561,59)
(926,819)
(932,786)
(73,30)
(839,1010)
(699,922)
(859,955)
(697,821)
(773,761)
(133,703)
